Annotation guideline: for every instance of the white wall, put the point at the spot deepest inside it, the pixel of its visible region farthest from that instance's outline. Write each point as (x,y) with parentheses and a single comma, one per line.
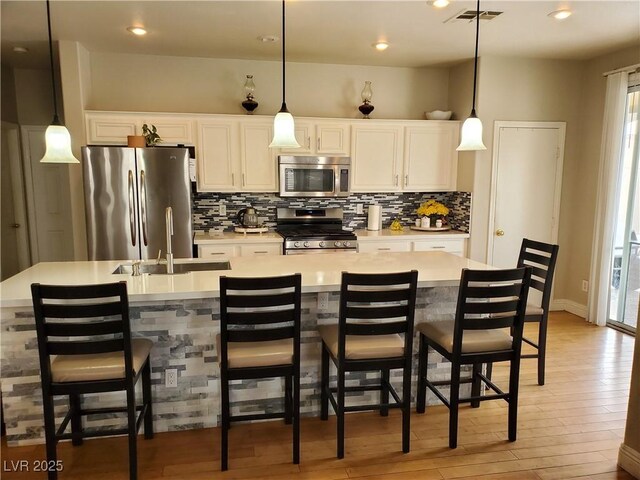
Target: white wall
(205,85)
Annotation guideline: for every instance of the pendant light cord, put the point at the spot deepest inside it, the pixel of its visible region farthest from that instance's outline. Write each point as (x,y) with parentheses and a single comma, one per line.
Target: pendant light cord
(284,78)
(56,120)
(475,63)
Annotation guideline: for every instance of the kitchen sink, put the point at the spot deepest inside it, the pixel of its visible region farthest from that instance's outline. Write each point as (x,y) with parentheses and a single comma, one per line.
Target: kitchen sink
(161,268)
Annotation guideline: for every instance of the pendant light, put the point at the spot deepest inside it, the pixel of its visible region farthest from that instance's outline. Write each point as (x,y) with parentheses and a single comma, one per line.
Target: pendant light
(284,135)
(472,127)
(57,138)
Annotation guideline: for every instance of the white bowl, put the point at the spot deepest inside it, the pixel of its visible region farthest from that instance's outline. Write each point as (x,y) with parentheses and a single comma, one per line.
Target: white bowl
(438,115)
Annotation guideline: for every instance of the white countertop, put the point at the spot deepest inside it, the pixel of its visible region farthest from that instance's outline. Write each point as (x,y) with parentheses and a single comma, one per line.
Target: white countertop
(319,273)
(407,234)
(232,238)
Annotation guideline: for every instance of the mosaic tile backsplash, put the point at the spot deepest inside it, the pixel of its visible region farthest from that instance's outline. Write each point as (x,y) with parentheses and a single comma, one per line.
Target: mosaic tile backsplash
(206,213)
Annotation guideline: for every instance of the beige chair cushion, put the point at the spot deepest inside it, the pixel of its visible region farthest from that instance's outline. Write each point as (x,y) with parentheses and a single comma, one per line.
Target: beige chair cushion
(472,340)
(533,310)
(99,366)
(360,347)
(258,354)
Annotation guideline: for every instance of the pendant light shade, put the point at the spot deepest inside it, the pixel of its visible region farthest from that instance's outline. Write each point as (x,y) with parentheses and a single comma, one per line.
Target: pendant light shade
(58,142)
(471,134)
(284,135)
(284,131)
(57,138)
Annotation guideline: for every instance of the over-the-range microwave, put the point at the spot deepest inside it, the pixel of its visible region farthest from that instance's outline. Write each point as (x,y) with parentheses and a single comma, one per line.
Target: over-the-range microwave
(314,176)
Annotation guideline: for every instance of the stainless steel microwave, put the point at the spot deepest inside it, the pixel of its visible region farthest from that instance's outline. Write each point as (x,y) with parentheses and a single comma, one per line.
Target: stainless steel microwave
(314,176)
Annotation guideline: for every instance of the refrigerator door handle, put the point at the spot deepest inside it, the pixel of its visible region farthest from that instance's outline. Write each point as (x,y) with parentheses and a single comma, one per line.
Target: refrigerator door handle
(143,206)
(132,215)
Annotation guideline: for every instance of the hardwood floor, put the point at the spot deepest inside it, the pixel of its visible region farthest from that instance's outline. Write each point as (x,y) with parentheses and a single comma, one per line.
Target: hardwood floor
(570,428)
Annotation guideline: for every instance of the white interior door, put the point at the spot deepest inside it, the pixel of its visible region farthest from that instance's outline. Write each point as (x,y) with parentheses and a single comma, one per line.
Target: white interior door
(48,201)
(14,241)
(527,180)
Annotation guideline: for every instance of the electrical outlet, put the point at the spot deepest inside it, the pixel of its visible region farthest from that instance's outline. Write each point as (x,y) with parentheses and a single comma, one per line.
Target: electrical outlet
(323,301)
(359,209)
(223,209)
(585,285)
(171,377)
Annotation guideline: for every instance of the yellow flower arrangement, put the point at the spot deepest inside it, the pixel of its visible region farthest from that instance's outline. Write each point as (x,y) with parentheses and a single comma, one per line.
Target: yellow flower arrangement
(431,208)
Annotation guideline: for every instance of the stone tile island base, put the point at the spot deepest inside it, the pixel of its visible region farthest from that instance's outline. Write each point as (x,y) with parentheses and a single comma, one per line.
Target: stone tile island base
(183,332)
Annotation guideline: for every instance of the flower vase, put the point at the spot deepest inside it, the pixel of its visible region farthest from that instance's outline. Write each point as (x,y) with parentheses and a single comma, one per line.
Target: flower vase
(425,222)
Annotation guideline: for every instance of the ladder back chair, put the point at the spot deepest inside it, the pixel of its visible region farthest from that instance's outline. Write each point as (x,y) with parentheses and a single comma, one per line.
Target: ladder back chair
(488,302)
(85,346)
(260,338)
(541,257)
(375,310)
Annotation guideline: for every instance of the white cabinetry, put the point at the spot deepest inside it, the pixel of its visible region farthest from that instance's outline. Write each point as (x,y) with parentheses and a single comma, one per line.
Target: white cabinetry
(408,244)
(376,158)
(217,155)
(241,250)
(321,138)
(234,155)
(455,246)
(112,128)
(257,161)
(430,157)
(387,246)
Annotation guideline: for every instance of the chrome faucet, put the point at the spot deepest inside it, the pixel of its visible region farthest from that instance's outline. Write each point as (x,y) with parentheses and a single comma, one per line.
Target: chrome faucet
(169,229)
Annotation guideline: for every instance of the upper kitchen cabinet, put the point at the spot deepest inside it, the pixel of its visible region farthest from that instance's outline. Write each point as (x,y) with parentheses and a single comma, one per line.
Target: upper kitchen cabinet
(217,155)
(112,128)
(376,158)
(173,129)
(321,138)
(430,157)
(106,128)
(257,161)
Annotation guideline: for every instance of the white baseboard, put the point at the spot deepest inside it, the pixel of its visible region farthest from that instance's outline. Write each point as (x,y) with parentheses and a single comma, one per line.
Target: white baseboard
(629,460)
(569,306)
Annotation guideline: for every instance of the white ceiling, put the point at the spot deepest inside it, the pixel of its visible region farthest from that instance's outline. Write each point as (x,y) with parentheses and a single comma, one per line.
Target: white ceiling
(321,31)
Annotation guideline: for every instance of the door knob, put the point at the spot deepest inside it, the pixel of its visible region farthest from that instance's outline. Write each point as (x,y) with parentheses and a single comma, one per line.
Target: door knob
(499,232)
(15,225)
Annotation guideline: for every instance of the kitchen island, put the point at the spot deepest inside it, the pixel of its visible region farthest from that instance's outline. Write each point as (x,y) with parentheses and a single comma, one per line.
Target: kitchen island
(180,313)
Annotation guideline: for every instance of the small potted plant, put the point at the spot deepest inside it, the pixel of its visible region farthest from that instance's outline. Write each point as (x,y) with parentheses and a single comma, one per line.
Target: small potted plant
(151,136)
(432,214)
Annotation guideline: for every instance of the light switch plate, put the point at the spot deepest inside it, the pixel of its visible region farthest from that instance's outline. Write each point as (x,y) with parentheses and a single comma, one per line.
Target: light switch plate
(359,209)
(222,208)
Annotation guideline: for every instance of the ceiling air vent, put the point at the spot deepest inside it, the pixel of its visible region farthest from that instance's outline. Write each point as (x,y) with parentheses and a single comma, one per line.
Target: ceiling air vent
(469,15)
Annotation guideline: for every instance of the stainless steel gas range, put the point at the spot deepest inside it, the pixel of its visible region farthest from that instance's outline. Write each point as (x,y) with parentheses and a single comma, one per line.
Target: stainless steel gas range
(314,230)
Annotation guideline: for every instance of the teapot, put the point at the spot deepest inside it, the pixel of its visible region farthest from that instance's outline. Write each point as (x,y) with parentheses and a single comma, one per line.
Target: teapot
(248,217)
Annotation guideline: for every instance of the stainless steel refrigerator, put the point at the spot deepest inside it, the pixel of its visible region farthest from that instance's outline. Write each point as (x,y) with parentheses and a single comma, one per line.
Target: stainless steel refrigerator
(127,191)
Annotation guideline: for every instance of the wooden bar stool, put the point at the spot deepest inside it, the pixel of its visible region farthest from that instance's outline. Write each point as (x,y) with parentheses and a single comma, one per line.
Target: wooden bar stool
(541,257)
(367,338)
(260,338)
(87,329)
(488,301)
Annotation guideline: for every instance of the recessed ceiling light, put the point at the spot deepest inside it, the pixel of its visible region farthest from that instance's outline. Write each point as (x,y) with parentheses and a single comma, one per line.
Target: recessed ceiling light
(137,30)
(560,14)
(268,38)
(440,3)
(20,50)
(380,46)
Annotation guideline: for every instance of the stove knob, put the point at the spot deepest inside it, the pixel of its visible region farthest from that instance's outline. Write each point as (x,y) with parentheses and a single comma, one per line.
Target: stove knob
(347,244)
(337,244)
(306,244)
(296,244)
(321,244)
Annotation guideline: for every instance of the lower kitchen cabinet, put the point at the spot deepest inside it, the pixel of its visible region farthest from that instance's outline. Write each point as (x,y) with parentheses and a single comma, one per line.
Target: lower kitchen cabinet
(243,250)
(451,245)
(393,246)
